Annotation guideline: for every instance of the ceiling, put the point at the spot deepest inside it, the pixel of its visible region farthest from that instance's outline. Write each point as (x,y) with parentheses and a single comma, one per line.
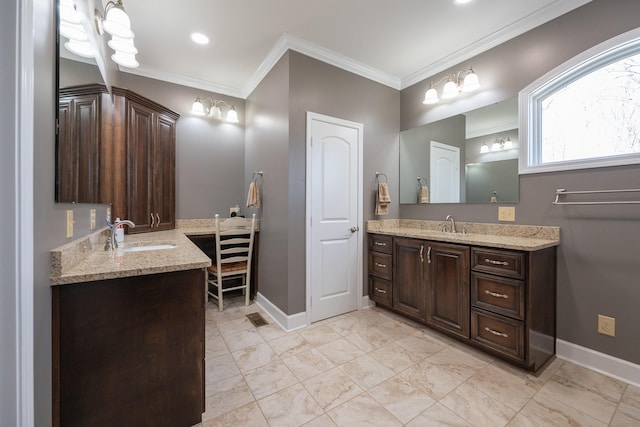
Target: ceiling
(397,43)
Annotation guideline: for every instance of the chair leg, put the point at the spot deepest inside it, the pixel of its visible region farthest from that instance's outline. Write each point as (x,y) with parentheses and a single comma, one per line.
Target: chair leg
(246,290)
(220,306)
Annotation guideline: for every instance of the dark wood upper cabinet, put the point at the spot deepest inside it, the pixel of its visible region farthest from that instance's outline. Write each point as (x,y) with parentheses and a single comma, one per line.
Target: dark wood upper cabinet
(117,149)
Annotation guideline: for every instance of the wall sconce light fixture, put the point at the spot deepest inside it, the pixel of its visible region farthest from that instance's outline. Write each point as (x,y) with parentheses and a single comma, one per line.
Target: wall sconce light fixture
(215,110)
(498,144)
(453,86)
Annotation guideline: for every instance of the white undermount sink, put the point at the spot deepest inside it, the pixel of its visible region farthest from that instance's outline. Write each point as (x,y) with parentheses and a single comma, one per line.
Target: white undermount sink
(154,247)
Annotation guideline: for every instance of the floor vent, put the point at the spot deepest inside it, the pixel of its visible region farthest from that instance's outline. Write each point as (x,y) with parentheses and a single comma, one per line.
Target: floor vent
(256,319)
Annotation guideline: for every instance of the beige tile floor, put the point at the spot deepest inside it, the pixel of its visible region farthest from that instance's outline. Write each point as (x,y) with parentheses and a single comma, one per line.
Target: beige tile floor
(374,368)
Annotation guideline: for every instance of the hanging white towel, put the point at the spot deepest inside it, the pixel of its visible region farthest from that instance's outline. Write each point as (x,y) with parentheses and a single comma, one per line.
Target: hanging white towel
(253,198)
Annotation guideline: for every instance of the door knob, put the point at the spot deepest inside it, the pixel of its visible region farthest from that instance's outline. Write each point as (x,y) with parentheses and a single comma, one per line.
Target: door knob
(354,229)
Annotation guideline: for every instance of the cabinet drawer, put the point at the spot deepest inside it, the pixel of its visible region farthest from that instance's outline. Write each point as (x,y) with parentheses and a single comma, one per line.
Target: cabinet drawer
(501,262)
(498,294)
(498,333)
(380,243)
(380,265)
(380,291)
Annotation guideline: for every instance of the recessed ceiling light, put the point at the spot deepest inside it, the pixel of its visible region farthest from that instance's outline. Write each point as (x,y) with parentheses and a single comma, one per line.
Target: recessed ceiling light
(462,1)
(199,38)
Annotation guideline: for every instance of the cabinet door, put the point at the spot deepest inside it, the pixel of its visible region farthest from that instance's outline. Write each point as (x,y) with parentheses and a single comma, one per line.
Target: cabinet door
(78,165)
(163,170)
(448,288)
(139,174)
(408,277)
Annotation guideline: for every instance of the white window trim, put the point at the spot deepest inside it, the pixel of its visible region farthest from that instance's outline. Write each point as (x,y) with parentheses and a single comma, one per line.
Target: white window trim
(529,102)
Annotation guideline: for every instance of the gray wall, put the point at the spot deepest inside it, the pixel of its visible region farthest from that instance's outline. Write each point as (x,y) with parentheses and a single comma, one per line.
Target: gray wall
(597,259)
(8,257)
(321,88)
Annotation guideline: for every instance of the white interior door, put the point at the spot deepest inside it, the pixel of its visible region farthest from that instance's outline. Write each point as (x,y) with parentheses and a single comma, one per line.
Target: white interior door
(334,254)
(445,173)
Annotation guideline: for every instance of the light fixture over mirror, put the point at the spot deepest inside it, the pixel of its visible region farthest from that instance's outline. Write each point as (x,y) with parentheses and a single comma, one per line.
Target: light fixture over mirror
(498,144)
(215,109)
(454,85)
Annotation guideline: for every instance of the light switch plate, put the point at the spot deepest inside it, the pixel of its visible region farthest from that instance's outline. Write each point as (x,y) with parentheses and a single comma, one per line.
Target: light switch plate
(69,224)
(92,219)
(506,213)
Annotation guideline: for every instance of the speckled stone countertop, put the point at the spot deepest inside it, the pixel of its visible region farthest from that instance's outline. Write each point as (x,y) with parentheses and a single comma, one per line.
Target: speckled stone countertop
(518,237)
(85,260)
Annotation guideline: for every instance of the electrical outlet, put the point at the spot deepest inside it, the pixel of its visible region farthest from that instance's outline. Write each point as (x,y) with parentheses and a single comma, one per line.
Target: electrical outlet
(506,213)
(606,325)
(69,224)
(92,219)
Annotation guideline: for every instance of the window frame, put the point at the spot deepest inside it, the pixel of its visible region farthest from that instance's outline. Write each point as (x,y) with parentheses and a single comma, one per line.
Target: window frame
(530,100)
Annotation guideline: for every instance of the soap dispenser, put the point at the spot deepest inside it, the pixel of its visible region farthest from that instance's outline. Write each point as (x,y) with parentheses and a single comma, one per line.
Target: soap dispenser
(119,231)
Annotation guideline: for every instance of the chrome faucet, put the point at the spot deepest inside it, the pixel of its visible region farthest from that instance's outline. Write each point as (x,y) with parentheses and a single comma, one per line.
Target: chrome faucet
(111,241)
(453,223)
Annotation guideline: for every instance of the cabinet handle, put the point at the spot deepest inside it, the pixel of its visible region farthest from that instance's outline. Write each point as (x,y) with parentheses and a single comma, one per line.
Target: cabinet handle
(494,262)
(153,220)
(379,243)
(380,265)
(500,334)
(421,250)
(496,294)
(382,291)
(429,255)
(158,219)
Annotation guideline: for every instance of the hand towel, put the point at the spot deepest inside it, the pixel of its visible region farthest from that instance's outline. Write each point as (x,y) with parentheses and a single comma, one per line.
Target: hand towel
(423,194)
(383,199)
(253,198)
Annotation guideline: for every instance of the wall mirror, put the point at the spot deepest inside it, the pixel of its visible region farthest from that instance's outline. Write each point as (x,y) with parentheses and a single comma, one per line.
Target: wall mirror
(79,165)
(467,158)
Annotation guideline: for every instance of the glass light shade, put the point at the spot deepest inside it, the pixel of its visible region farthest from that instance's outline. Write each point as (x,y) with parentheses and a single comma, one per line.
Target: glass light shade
(68,13)
(216,113)
(471,81)
(232,115)
(197,107)
(495,146)
(450,90)
(122,45)
(125,60)
(73,31)
(508,144)
(484,148)
(430,96)
(117,22)
(80,48)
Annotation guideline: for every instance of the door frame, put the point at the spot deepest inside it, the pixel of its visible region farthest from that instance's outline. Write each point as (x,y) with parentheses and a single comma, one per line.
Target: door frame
(311,116)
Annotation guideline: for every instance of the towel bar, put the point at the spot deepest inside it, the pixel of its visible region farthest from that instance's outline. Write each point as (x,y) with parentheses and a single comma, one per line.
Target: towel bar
(560,192)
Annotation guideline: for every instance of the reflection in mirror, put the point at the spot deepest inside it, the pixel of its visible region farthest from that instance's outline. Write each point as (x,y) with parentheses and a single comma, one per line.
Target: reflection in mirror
(468,158)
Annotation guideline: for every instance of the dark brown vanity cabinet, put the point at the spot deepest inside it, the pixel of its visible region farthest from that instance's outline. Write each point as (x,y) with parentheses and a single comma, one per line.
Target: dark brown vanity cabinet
(448,288)
(502,301)
(513,304)
(150,167)
(409,277)
(380,269)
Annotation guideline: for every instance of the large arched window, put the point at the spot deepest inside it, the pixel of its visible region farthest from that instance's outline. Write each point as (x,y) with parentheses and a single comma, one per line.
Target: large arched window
(585,113)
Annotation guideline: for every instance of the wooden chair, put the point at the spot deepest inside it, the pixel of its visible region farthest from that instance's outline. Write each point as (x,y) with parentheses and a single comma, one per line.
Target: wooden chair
(234,248)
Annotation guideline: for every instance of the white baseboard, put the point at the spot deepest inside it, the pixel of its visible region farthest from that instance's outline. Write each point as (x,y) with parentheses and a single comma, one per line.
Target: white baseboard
(366,302)
(612,366)
(288,322)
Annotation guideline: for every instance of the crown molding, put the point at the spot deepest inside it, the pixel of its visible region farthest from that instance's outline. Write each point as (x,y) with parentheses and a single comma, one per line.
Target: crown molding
(546,14)
(289,42)
(184,81)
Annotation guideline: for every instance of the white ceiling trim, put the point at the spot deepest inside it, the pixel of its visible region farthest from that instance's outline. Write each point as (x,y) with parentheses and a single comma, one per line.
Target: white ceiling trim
(546,14)
(287,41)
(185,81)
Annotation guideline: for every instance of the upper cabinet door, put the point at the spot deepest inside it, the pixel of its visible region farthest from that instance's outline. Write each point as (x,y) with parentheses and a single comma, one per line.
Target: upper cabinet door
(163,170)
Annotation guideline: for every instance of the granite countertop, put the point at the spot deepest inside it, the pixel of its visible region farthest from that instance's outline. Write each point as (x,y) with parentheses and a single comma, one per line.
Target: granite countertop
(86,260)
(517,237)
